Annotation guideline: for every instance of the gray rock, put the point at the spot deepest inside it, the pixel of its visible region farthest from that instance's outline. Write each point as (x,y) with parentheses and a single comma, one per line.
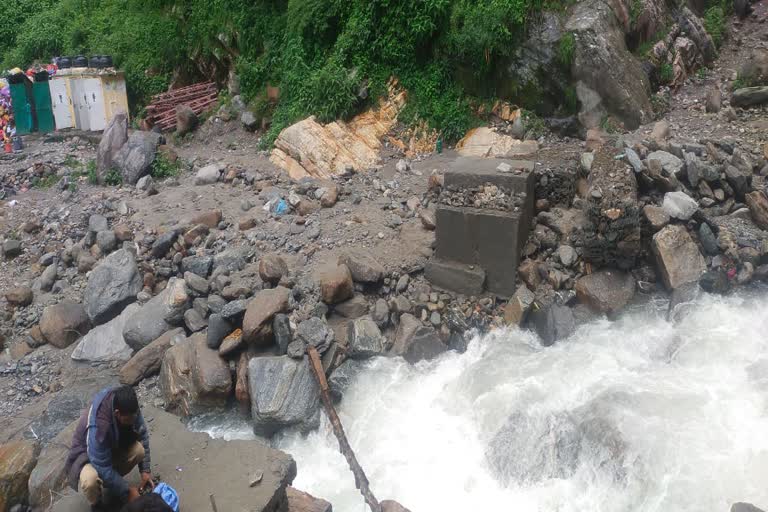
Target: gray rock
(163,244)
(692,168)
(200,265)
(161,314)
(249,121)
(47,259)
(364,338)
(679,205)
(744,507)
(567,255)
(715,281)
(111,286)
(363,266)
(235,309)
(145,184)
(380,313)
(216,303)
(402,283)
(113,138)
(739,179)
(11,249)
(284,393)
(107,241)
(218,329)
(634,160)
(708,240)
(435,319)
(552,323)
(281,327)
(606,291)
(314,332)
(232,260)
(197,284)
(677,257)
(105,342)
(193,320)
(209,174)
(186,120)
(586,161)
(137,155)
(355,307)
(97,223)
(669,162)
(749,96)
(48,278)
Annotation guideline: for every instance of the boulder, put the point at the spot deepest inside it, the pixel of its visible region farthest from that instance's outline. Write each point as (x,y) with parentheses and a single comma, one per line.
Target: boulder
(679,205)
(199,265)
(552,322)
(105,342)
(257,323)
(355,307)
(107,241)
(111,286)
(63,323)
(12,249)
(363,266)
(194,320)
(145,184)
(677,257)
(193,377)
(380,313)
(739,179)
(749,96)
(606,291)
(232,260)
(284,393)
(20,296)
(97,223)
(249,121)
(335,282)
(272,268)
(209,174)
(485,142)
(17,460)
(311,332)
(147,361)
(364,338)
(281,328)
(163,244)
(708,240)
(218,329)
(516,311)
(137,155)
(196,284)
(113,138)
(161,314)
(49,475)
(758,207)
(342,377)
(186,119)
(609,79)
(715,281)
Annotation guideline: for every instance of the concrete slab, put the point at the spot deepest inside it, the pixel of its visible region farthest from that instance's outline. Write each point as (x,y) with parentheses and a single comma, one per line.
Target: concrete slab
(455,277)
(468,172)
(196,466)
(491,239)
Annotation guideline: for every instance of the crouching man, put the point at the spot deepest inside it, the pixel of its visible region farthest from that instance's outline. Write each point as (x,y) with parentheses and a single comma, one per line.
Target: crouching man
(110,439)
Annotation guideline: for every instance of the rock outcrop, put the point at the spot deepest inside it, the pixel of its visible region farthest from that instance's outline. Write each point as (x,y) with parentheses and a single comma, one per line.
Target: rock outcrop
(606,291)
(677,257)
(111,286)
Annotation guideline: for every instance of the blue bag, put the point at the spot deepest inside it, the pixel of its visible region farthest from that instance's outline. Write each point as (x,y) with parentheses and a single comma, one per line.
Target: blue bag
(169,495)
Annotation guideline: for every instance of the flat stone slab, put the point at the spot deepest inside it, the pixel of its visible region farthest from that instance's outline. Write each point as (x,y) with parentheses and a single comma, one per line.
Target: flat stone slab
(196,466)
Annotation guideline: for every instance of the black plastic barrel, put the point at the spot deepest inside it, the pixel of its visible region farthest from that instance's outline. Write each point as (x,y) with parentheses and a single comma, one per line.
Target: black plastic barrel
(80,62)
(65,62)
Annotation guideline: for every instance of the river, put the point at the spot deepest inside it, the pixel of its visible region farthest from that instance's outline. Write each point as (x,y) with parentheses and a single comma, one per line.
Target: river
(636,414)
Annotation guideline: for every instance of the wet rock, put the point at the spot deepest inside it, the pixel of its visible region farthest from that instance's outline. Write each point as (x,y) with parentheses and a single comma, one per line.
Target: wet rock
(516,311)
(606,291)
(209,174)
(708,240)
(20,296)
(137,155)
(161,314)
(193,378)
(552,323)
(257,324)
(363,266)
(112,286)
(657,217)
(342,377)
(272,268)
(380,313)
(364,338)
(423,345)
(405,330)
(284,393)
(335,282)
(679,205)
(17,460)
(105,342)
(715,281)
(758,207)
(147,361)
(677,257)
(63,323)
(113,138)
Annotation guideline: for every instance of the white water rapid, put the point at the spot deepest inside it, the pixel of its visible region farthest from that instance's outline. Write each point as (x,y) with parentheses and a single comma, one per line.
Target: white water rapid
(632,415)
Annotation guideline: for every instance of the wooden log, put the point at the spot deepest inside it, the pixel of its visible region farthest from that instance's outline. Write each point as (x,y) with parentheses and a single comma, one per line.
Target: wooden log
(361,481)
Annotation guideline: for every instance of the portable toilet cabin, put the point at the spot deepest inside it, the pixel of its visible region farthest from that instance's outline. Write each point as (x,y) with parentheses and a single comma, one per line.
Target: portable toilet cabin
(97,95)
(41,95)
(22,102)
(61,101)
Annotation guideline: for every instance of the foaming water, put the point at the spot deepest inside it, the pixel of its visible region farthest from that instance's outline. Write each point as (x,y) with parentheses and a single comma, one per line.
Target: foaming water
(636,414)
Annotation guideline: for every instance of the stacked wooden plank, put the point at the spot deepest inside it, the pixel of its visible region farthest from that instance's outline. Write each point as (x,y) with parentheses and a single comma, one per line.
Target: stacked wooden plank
(162,111)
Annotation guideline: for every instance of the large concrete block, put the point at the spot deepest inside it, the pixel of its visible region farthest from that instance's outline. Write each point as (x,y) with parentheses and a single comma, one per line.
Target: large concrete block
(466,172)
(456,277)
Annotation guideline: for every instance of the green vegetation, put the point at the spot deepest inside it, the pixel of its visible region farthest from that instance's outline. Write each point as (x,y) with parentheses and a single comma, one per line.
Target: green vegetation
(666,73)
(93,177)
(163,168)
(46,181)
(329,58)
(113,178)
(565,50)
(714,22)
(534,125)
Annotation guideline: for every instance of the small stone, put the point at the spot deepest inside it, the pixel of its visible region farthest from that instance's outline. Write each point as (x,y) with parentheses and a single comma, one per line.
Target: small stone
(272,268)
(679,205)
(567,255)
(428,219)
(435,319)
(11,249)
(402,283)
